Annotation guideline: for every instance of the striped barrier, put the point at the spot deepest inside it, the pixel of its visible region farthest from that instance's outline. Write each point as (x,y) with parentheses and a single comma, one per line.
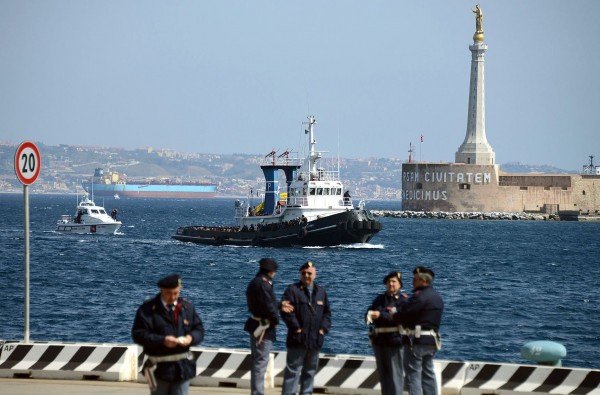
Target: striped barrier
(486,378)
(344,374)
(219,368)
(337,374)
(69,361)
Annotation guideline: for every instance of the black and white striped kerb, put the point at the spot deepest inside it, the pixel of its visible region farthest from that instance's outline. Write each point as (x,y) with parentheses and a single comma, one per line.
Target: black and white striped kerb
(339,373)
(69,361)
(485,378)
(219,368)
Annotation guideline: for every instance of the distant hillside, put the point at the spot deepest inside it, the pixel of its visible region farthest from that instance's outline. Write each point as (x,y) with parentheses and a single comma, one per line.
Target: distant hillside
(523,168)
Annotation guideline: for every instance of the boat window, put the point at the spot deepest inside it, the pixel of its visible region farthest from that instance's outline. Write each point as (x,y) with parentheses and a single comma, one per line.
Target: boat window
(339,192)
(319,191)
(312,191)
(304,191)
(94,211)
(326,191)
(102,211)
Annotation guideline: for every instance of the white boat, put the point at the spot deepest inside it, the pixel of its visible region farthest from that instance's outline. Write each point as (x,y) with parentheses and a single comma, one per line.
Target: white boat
(89,218)
(116,196)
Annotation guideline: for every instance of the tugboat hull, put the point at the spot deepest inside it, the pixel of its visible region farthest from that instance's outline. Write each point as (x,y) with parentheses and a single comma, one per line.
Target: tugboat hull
(350,227)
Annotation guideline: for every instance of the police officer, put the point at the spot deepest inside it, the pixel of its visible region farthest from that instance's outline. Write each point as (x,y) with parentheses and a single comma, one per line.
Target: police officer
(307,326)
(262,305)
(166,326)
(386,336)
(422,315)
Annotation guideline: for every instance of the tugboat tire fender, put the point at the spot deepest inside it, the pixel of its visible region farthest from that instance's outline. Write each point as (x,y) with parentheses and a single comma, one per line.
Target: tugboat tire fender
(366,224)
(375,225)
(358,225)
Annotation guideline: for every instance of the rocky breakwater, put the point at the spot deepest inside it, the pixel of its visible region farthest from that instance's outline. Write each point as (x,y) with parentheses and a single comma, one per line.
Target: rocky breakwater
(466,215)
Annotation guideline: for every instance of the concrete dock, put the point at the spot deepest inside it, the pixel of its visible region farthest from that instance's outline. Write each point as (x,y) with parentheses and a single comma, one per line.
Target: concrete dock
(67,387)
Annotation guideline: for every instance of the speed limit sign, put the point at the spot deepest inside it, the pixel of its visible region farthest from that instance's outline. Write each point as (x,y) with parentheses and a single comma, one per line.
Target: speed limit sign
(28,163)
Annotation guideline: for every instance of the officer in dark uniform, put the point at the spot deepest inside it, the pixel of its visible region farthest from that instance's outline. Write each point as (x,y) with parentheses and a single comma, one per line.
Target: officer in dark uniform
(166,326)
(422,316)
(386,336)
(262,305)
(307,326)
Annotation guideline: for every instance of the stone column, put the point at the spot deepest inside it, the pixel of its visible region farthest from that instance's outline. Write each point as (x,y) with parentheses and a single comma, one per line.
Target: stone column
(475,148)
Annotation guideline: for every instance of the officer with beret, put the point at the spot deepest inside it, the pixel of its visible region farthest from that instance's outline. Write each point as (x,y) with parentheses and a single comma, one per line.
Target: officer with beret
(307,326)
(422,316)
(166,326)
(264,317)
(386,336)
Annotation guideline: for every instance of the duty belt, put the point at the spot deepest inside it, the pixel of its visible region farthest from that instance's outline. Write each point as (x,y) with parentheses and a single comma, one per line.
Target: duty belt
(170,358)
(404,331)
(392,329)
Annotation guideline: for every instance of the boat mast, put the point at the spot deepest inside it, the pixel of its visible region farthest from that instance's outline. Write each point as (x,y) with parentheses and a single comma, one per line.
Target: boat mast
(312,155)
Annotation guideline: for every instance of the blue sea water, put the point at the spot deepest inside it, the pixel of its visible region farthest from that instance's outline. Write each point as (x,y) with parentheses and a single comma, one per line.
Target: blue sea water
(504,283)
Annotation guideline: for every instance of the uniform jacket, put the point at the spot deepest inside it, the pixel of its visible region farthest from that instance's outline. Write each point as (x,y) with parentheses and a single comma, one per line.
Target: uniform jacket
(153,323)
(425,308)
(308,316)
(262,303)
(388,306)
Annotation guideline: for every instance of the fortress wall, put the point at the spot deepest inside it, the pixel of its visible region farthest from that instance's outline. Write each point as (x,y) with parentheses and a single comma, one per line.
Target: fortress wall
(538,180)
(586,193)
(456,187)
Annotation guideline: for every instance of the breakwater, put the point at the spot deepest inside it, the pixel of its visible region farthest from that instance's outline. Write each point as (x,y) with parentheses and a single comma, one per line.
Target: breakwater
(466,215)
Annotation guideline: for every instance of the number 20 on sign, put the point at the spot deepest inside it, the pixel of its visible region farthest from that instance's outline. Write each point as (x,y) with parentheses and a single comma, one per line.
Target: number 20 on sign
(28,163)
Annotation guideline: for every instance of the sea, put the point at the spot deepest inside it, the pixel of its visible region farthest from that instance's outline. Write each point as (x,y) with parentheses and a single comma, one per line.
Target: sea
(504,283)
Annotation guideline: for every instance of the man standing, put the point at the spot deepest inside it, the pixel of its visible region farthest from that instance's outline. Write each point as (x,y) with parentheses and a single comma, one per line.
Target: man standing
(386,336)
(166,326)
(262,304)
(422,315)
(307,325)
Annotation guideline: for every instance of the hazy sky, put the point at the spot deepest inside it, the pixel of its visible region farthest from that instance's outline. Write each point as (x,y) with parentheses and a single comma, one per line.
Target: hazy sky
(240,76)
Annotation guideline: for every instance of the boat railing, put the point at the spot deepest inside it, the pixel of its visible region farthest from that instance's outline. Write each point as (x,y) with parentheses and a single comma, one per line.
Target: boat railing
(282,160)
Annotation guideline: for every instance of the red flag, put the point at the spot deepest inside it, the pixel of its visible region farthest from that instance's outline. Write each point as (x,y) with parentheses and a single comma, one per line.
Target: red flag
(421,138)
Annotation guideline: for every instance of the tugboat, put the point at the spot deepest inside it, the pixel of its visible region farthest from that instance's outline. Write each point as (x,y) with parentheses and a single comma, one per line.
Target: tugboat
(312,209)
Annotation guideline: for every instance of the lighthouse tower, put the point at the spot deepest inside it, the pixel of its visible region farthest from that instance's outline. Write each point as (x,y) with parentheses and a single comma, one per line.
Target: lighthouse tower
(475,149)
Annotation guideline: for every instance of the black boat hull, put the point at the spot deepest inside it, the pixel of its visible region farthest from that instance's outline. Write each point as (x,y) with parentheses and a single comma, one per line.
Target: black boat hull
(348,227)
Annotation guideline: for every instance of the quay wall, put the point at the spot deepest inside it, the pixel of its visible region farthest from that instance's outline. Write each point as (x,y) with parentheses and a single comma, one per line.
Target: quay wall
(337,374)
(459,187)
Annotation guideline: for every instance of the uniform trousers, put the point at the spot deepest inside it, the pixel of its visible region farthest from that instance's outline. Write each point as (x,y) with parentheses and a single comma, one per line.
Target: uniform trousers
(260,360)
(163,387)
(390,368)
(301,364)
(418,366)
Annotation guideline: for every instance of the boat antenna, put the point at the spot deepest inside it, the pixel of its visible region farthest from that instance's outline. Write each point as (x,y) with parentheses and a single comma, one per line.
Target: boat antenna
(338,151)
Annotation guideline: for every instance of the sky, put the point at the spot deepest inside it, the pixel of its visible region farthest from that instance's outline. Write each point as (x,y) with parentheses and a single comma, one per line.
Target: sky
(241,76)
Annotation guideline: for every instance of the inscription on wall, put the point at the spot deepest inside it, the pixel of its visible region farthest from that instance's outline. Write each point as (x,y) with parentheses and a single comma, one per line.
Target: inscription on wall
(431,180)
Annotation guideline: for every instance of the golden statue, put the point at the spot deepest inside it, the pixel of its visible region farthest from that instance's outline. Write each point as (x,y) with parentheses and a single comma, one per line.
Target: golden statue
(478,36)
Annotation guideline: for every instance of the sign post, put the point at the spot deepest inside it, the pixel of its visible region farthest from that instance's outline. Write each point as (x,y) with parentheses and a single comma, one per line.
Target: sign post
(28,163)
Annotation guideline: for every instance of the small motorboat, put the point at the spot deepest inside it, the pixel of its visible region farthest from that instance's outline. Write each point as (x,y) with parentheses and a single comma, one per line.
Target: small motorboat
(89,218)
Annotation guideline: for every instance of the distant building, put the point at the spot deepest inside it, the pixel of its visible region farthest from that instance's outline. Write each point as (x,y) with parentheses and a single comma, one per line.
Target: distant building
(476,183)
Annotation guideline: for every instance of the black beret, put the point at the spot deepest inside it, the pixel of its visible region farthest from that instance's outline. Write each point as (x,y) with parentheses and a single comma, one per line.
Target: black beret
(397,275)
(268,264)
(307,265)
(422,269)
(170,282)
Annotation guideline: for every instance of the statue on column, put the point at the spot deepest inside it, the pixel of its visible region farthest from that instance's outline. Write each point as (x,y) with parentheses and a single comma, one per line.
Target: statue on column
(478,36)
